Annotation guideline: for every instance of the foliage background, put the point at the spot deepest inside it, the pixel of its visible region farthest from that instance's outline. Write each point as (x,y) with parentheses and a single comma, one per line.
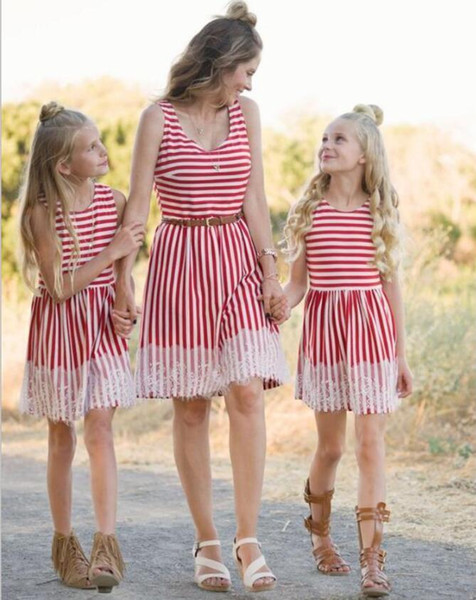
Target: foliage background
(435,176)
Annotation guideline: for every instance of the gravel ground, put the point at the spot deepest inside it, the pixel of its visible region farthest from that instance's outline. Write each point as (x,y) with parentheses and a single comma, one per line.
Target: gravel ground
(156,538)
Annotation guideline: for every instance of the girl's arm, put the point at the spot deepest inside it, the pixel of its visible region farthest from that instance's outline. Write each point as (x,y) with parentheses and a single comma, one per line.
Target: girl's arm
(146,148)
(296,287)
(126,240)
(294,290)
(392,290)
(255,206)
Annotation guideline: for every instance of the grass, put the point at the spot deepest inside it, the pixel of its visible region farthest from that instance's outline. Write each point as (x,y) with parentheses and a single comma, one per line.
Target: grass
(438,419)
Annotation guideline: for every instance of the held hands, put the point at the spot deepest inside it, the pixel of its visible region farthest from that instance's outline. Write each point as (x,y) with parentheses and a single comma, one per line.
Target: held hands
(405,379)
(275,302)
(125,312)
(127,239)
(280,310)
(123,322)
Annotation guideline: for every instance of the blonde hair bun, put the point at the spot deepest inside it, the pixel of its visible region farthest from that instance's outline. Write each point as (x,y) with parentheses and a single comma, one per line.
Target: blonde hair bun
(372,110)
(50,110)
(239,11)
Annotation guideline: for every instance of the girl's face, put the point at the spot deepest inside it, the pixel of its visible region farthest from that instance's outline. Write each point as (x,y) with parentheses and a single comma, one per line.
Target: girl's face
(89,156)
(239,80)
(340,150)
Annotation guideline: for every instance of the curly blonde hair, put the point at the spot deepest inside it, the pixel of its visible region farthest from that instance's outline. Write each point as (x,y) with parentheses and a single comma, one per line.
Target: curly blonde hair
(218,48)
(52,144)
(383,198)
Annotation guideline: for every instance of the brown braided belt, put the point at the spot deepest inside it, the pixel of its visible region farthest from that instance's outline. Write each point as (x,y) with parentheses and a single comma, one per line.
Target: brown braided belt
(204,222)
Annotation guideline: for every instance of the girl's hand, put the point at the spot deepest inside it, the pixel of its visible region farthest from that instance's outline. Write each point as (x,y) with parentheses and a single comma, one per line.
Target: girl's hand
(405,379)
(127,239)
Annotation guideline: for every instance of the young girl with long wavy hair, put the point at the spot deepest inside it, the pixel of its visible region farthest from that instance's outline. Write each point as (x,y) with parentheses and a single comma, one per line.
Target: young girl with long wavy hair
(343,235)
(76,365)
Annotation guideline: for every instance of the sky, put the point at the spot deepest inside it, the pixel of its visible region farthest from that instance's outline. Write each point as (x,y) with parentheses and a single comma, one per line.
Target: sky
(414,58)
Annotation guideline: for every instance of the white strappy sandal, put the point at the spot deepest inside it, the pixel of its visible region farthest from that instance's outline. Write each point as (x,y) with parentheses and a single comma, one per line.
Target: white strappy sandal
(220,570)
(252,572)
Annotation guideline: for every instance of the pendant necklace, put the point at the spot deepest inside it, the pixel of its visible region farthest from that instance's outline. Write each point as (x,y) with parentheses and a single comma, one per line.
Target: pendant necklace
(200,131)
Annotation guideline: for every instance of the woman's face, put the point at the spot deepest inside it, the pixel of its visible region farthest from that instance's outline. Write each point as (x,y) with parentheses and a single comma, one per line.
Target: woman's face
(239,80)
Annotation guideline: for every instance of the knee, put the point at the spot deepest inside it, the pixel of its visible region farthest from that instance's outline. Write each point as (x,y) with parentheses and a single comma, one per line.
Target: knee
(192,413)
(97,434)
(246,401)
(331,452)
(369,449)
(62,441)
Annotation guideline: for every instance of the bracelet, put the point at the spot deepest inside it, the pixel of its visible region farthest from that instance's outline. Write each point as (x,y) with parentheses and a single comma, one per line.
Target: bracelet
(272,276)
(267,252)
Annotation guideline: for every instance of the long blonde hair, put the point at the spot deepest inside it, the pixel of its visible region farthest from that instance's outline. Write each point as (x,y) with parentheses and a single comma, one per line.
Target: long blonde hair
(383,198)
(218,48)
(52,144)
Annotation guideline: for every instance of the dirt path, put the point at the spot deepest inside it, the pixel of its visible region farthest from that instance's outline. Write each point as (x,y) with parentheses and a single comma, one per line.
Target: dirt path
(156,535)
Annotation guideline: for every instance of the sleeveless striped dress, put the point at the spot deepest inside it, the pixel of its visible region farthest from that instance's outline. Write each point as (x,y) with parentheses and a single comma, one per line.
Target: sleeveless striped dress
(75,361)
(202,326)
(347,354)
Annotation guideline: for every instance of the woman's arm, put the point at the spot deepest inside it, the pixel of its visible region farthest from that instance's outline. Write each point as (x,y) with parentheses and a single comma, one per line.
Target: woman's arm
(255,206)
(146,148)
(126,240)
(392,290)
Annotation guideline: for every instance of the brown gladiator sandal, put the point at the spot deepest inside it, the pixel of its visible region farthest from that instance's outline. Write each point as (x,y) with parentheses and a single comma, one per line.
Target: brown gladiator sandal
(107,558)
(69,561)
(372,559)
(327,557)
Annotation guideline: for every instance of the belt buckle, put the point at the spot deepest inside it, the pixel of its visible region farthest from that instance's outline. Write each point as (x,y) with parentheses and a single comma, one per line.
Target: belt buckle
(207,221)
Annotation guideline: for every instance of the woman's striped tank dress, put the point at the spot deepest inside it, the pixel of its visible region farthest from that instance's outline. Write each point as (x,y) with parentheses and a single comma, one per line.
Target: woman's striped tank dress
(75,361)
(347,356)
(202,326)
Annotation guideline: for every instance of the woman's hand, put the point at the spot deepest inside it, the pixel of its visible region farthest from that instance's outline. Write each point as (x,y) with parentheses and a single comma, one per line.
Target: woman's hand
(405,379)
(275,302)
(280,309)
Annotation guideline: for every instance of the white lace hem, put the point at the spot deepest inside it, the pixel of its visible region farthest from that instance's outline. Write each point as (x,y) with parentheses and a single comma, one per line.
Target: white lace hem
(178,372)
(64,395)
(365,388)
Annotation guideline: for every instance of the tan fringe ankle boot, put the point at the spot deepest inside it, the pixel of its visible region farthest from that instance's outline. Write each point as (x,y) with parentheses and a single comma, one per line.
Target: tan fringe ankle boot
(107,566)
(70,561)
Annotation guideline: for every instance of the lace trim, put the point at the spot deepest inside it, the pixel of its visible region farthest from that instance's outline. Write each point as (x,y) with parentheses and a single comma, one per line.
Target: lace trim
(177,372)
(62,395)
(364,388)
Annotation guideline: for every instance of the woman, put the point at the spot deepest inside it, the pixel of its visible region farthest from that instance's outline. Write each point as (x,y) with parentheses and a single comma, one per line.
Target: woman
(206,328)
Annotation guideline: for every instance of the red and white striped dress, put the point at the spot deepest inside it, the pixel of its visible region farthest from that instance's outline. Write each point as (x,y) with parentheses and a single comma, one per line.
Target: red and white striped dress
(202,326)
(347,355)
(75,361)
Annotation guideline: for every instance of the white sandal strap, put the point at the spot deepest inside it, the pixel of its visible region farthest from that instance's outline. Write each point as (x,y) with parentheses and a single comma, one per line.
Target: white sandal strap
(199,545)
(221,571)
(248,540)
(251,574)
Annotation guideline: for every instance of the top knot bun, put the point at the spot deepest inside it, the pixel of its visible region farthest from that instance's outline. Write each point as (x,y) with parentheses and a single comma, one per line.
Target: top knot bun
(371,110)
(239,11)
(50,110)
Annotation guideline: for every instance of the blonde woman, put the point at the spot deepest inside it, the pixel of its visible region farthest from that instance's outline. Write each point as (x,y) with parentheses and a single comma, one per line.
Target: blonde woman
(343,236)
(205,330)
(76,365)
